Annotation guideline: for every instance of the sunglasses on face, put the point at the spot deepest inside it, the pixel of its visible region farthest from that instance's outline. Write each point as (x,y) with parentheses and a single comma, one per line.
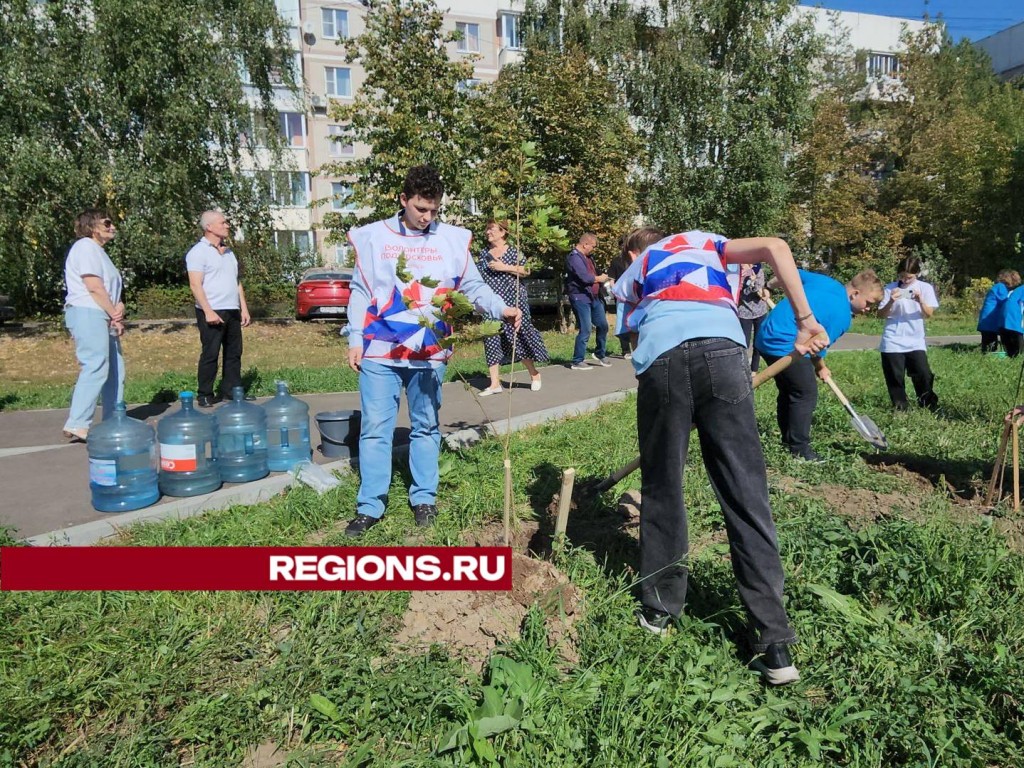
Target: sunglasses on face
(106,223)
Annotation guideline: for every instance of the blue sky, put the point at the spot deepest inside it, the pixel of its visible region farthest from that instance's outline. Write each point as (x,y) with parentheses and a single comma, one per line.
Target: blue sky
(973,19)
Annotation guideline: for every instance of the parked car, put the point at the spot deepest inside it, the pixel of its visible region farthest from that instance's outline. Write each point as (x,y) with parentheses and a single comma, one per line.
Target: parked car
(546,288)
(323,292)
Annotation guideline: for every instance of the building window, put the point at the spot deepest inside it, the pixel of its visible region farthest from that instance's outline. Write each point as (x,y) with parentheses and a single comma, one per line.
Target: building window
(298,240)
(256,134)
(882,65)
(468,86)
(510,30)
(339,81)
(293,128)
(341,253)
(340,146)
(340,194)
(277,76)
(335,23)
(286,189)
(470,42)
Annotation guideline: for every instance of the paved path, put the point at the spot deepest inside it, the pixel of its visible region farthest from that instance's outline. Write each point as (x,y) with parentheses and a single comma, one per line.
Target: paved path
(44,481)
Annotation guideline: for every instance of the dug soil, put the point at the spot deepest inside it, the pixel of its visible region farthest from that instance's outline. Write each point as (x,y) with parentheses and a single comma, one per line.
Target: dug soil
(472,624)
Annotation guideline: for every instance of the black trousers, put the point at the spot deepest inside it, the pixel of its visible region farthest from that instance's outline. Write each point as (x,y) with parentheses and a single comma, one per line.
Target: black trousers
(750,327)
(989,342)
(794,408)
(896,366)
(706,383)
(1011,342)
(226,336)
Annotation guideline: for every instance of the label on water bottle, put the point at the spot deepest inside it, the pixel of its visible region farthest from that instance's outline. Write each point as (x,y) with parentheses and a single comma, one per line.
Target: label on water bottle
(178,458)
(103,471)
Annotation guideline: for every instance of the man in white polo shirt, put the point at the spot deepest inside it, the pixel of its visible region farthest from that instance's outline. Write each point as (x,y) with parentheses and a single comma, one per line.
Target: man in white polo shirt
(221,311)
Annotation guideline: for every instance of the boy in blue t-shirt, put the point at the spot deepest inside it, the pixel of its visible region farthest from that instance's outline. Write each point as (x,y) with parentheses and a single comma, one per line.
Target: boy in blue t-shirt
(833,305)
(692,371)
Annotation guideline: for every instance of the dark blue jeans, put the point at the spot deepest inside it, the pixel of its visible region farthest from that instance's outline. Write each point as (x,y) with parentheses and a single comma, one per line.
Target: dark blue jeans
(589,313)
(706,383)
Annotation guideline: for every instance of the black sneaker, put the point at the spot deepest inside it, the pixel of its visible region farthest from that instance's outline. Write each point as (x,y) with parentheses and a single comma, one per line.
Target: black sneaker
(776,665)
(207,401)
(425,515)
(654,621)
(809,455)
(360,525)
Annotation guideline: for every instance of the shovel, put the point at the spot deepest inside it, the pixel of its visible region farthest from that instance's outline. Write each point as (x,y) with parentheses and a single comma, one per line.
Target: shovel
(615,477)
(865,427)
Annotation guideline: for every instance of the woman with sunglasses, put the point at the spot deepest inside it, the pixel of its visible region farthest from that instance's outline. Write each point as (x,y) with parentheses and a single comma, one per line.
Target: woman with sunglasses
(94,315)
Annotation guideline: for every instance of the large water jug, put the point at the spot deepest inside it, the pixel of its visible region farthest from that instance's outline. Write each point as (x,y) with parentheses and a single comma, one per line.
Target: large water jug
(287,430)
(122,463)
(241,440)
(188,451)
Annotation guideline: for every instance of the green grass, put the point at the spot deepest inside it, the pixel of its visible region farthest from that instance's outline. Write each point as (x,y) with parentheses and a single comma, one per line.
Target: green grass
(940,324)
(912,629)
(146,387)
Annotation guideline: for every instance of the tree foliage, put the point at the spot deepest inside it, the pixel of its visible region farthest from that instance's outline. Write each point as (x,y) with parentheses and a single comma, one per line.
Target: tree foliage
(566,108)
(717,89)
(957,139)
(136,106)
(412,107)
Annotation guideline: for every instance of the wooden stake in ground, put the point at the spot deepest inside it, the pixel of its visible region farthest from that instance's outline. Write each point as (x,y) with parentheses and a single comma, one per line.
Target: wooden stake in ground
(1016,466)
(564,501)
(995,485)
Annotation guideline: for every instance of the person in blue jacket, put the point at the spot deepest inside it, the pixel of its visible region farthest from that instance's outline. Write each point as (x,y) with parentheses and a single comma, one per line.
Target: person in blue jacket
(1012,329)
(833,305)
(990,319)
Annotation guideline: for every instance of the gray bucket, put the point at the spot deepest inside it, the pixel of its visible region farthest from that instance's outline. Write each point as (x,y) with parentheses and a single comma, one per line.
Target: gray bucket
(339,433)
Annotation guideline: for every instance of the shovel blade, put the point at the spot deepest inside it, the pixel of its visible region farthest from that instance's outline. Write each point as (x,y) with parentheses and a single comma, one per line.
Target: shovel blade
(867,429)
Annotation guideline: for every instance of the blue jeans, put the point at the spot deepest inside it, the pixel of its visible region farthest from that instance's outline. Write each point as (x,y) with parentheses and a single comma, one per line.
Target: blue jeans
(380,389)
(101,364)
(589,313)
(706,383)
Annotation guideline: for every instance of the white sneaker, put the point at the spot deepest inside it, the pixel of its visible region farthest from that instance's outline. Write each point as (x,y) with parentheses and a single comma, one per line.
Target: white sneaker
(628,356)
(601,361)
(535,384)
(580,367)
(491,391)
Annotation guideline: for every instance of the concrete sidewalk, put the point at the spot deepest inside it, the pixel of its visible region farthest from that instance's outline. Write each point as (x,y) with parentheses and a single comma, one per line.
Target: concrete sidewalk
(44,481)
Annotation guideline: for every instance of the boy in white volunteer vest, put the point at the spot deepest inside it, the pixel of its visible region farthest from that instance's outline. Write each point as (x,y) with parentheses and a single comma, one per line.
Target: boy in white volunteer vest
(391,350)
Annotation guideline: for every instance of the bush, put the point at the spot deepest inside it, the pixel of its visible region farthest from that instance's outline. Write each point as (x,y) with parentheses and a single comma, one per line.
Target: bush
(162,302)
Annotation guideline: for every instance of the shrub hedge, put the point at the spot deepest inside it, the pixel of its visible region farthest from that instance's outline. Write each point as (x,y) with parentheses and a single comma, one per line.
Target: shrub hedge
(160,302)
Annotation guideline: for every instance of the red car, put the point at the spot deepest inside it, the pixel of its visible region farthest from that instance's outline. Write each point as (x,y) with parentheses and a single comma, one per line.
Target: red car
(323,292)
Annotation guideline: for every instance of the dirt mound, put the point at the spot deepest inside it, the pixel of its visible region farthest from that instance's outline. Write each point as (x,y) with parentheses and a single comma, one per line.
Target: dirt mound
(959,480)
(859,505)
(471,624)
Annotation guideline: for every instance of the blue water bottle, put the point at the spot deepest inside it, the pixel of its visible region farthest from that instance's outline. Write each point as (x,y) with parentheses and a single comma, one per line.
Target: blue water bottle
(241,440)
(287,430)
(188,451)
(122,463)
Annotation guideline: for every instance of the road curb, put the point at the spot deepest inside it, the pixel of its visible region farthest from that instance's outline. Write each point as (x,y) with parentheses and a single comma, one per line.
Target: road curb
(262,490)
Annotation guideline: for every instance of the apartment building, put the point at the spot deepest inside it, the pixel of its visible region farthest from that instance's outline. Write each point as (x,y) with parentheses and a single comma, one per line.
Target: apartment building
(1006,49)
(492,33)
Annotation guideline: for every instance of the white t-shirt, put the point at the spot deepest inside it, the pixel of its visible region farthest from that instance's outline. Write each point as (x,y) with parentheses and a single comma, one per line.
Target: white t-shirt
(87,257)
(904,327)
(220,274)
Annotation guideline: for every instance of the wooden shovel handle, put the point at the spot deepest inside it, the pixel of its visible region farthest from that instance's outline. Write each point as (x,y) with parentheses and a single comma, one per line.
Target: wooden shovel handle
(762,376)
